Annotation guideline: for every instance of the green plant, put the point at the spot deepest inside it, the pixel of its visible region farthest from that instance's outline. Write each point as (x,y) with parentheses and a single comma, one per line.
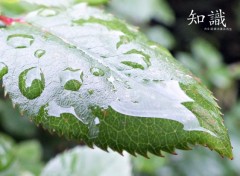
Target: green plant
(115,89)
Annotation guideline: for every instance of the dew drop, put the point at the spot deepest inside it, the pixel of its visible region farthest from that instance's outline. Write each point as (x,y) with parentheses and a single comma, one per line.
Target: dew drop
(133,64)
(97,71)
(71,79)
(31,83)
(3,70)
(91,91)
(20,40)
(47,13)
(39,53)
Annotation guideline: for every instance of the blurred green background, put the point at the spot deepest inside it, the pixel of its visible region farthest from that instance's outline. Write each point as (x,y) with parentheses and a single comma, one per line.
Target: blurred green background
(213,56)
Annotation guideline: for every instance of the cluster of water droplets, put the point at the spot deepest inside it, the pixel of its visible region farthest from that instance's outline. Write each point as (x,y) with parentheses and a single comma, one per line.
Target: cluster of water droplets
(162,99)
(32,80)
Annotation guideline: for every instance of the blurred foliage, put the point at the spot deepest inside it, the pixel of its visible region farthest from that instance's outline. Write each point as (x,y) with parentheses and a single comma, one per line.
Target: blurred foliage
(161,35)
(19,159)
(214,56)
(18,126)
(142,11)
(14,7)
(88,162)
(6,151)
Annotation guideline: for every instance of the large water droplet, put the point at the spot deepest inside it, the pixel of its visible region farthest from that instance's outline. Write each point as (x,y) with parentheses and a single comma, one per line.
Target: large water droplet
(71,79)
(39,53)
(31,83)
(97,71)
(3,70)
(158,100)
(20,40)
(54,110)
(47,12)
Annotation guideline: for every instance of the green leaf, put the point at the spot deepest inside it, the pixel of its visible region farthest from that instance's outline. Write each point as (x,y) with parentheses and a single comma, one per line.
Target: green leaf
(13,123)
(21,159)
(29,155)
(162,36)
(6,152)
(144,10)
(79,161)
(148,166)
(15,7)
(88,76)
(206,53)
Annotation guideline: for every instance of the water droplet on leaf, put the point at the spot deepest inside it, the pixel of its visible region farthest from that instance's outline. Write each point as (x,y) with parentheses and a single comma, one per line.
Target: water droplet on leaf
(31,83)
(3,70)
(90,91)
(20,40)
(133,64)
(162,100)
(39,53)
(71,79)
(97,71)
(48,12)
(141,64)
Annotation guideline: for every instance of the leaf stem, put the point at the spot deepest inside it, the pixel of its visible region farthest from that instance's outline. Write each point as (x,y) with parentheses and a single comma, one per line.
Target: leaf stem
(9,21)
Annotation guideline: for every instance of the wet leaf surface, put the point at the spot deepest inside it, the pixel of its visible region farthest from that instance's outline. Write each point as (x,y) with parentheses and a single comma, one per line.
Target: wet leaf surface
(88,76)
